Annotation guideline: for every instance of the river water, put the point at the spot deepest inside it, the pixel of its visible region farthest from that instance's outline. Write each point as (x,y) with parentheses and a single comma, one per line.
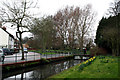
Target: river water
(41,71)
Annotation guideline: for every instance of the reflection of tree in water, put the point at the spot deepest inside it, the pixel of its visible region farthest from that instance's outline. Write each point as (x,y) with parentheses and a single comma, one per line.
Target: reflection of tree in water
(38,74)
(45,71)
(22,75)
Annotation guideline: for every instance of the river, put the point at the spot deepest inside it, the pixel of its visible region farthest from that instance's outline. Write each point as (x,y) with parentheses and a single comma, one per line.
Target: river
(41,71)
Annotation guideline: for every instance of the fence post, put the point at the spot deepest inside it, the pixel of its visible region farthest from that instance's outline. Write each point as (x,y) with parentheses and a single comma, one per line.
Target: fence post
(26,56)
(16,58)
(62,53)
(45,55)
(3,58)
(40,55)
(58,54)
(34,55)
(51,55)
(55,53)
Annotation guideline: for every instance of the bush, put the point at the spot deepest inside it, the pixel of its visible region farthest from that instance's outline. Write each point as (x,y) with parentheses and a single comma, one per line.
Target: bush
(98,51)
(43,60)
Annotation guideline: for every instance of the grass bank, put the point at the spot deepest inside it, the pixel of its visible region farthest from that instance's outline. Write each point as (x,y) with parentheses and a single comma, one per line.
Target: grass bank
(42,61)
(75,51)
(101,67)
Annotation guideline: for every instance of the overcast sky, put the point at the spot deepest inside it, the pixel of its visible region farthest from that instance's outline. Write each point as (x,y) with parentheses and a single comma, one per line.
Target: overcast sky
(50,7)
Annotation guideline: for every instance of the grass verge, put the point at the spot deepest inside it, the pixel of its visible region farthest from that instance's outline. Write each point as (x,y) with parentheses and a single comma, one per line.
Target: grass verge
(102,67)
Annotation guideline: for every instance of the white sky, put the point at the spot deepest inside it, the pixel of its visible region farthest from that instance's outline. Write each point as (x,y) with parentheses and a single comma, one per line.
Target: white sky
(50,7)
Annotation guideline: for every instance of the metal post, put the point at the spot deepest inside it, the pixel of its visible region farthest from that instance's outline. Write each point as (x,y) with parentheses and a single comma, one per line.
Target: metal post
(16,58)
(34,55)
(55,53)
(46,56)
(26,56)
(51,55)
(59,54)
(40,55)
(63,53)
(3,58)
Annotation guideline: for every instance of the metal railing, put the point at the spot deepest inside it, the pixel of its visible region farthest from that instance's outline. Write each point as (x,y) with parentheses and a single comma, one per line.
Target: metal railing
(30,56)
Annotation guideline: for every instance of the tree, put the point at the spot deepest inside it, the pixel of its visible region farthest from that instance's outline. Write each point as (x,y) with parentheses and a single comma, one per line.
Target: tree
(73,24)
(111,38)
(61,21)
(107,35)
(17,13)
(24,40)
(44,31)
(114,10)
(84,19)
(89,43)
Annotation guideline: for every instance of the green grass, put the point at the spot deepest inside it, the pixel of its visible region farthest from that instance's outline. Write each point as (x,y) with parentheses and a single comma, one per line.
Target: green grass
(40,51)
(97,69)
(49,53)
(75,51)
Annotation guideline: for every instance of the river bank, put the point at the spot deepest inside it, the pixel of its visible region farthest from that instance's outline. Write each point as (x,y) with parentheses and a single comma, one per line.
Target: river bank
(102,67)
(18,66)
(40,72)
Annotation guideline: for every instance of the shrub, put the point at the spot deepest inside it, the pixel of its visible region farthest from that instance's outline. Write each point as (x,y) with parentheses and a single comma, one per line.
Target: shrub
(98,51)
(43,60)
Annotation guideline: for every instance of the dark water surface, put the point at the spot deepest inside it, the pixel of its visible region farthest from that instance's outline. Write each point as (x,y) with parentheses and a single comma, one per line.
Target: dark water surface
(41,71)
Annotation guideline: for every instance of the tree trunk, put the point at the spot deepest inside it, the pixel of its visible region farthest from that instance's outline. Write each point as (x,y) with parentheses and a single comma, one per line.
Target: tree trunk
(82,43)
(62,47)
(114,52)
(20,39)
(43,44)
(117,25)
(117,51)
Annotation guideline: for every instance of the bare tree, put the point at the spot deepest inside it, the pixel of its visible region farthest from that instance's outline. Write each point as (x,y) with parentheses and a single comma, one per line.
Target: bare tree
(61,19)
(74,23)
(18,14)
(84,19)
(114,8)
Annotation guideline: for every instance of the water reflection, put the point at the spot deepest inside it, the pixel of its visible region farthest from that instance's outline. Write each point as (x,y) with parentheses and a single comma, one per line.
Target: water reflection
(44,71)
